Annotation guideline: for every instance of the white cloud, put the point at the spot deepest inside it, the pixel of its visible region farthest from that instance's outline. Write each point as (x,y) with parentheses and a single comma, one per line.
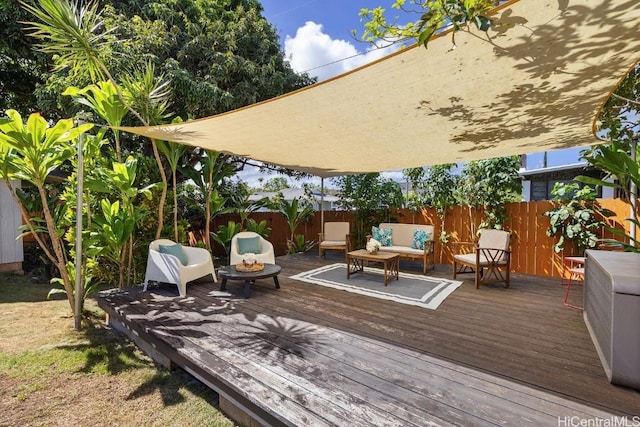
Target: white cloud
(317,53)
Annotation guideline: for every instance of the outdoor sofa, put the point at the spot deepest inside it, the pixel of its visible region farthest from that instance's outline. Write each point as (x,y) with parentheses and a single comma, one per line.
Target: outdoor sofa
(406,241)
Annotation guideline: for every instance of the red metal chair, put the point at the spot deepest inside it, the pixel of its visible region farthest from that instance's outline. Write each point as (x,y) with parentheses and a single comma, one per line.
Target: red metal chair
(572,275)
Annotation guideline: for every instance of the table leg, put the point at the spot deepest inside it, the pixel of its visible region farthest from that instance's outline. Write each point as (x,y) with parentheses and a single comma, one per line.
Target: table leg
(246,289)
(277,282)
(223,285)
(386,275)
(354,265)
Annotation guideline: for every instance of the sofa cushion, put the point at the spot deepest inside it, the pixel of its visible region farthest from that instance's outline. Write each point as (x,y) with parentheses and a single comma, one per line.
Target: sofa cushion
(403,250)
(419,238)
(483,261)
(383,235)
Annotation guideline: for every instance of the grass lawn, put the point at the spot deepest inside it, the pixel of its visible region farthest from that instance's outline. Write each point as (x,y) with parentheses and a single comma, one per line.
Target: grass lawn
(51,375)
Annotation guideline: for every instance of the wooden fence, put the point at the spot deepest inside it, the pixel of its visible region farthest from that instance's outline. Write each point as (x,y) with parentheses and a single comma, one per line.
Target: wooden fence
(532,250)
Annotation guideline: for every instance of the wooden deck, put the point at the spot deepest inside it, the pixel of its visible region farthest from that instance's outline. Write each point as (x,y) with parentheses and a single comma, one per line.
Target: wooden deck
(308,355)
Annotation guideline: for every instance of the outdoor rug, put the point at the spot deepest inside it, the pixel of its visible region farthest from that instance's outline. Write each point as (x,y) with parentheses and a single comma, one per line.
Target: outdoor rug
(413,289)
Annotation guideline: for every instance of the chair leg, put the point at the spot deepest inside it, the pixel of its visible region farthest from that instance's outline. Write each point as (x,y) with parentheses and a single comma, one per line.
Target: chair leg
(574,279)
(508,275)
(478,276)
(182,289)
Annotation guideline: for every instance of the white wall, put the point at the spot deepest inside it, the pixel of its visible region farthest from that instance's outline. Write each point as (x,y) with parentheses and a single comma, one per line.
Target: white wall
(11,250)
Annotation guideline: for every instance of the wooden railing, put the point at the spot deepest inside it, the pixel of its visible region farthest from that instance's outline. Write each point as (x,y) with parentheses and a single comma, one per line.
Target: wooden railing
(531,248)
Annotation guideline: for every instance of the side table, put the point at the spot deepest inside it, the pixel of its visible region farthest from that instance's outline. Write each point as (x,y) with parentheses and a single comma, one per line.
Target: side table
(229,272)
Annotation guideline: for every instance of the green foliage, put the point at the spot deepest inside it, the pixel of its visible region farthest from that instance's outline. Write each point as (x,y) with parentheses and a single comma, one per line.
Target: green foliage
(21,68)
(370,197)
(240,202)
(258,227)
(173,152)
(620,123)
(576,217)
(75,43)
(300,244)
(295,212)
(225,233)
(434,16)
(616,161)
(30,152)
(489,184)
(432,186)
(214,169)
(276,184)
(219,56)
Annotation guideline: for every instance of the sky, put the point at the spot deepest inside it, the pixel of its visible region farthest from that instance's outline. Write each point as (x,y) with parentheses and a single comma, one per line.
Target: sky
(316,37)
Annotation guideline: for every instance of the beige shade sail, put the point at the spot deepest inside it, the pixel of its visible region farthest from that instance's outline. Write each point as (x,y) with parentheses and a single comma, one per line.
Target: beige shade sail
(536,82)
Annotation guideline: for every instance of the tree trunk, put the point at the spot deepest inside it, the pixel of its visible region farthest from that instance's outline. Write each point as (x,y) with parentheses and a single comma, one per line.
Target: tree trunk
(163,195)
(60,259)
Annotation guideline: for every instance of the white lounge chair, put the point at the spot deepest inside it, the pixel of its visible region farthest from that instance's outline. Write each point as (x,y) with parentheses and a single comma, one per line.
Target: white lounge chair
(168,268)
(250,242)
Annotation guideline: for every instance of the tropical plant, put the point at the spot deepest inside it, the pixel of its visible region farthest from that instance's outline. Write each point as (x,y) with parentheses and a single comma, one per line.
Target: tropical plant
(30,152)
(224,235)
(173,152)
(119,182)
(213,169)
(616,161)
(434,186)
(243,205)
(115,227)
(620,160)
(295,212)
(258,227)
(487,185)
(371,198)
(576,217)
(104,100)
(299,244)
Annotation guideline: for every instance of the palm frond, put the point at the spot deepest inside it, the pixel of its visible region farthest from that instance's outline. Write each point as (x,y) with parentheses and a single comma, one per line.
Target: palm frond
(72,32)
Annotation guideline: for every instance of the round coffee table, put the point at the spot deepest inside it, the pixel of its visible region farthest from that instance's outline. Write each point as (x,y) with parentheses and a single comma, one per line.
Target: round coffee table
(229,272)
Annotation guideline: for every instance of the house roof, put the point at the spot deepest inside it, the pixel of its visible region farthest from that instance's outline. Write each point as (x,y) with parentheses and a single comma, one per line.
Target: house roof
(550,169)
(535,82)
(290,194)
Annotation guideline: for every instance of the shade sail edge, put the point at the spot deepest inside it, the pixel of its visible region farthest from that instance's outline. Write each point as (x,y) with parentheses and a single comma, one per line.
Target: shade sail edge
(537,86)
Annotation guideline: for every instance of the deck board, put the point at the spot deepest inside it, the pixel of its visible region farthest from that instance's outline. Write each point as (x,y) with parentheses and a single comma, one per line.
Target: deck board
(310,355)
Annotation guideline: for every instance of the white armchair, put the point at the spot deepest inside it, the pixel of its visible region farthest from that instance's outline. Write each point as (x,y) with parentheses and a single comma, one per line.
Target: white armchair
(167,268)
(255,244)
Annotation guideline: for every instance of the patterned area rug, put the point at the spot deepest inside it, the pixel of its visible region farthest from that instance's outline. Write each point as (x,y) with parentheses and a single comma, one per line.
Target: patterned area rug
(413,289)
